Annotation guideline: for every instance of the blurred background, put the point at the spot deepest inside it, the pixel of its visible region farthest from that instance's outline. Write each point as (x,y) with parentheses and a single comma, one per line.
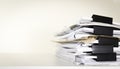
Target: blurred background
(27,27)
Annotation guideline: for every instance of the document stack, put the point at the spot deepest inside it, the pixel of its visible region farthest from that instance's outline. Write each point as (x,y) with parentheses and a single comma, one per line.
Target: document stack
(94,41)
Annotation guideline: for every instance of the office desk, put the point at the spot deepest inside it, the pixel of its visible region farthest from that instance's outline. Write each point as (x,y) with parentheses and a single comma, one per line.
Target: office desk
(32,59)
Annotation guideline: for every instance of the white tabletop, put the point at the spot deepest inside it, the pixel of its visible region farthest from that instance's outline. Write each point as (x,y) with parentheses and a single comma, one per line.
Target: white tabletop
(32,59)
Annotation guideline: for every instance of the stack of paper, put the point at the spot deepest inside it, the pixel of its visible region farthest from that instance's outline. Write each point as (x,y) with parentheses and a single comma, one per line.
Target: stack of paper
(77,40)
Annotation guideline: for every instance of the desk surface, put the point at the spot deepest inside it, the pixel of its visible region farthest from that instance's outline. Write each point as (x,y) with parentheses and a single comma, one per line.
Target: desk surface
(33,59)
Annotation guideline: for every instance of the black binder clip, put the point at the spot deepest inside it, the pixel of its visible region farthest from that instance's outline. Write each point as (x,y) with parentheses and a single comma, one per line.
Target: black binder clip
(104,49)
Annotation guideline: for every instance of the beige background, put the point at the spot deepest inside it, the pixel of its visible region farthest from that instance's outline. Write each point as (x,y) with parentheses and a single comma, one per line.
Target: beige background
(28,26)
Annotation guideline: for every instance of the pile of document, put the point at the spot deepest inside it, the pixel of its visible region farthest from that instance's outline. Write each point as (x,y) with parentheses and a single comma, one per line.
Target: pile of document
(74,43)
